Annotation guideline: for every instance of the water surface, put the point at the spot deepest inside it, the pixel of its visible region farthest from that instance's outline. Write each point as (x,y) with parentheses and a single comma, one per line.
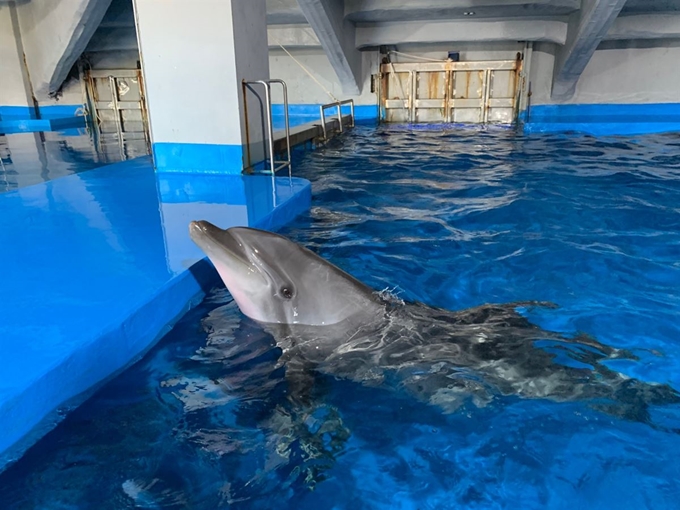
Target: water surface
(453,219)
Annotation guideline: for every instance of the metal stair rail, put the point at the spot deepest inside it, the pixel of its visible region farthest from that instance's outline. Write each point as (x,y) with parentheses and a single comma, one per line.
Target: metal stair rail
(274,166)
(338,104)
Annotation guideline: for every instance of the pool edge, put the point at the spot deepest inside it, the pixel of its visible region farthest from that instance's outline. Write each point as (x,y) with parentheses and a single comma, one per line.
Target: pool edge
(38,407)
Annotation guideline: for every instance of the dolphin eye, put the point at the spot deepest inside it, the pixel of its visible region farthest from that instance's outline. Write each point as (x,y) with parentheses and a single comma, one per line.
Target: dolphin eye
(286,292)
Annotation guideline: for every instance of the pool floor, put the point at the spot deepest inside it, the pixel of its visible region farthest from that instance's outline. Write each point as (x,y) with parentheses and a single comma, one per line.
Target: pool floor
(452,219)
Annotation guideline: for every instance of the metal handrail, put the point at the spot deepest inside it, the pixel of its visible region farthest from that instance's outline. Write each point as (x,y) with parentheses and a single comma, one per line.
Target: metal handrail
(270,129)
(337,104)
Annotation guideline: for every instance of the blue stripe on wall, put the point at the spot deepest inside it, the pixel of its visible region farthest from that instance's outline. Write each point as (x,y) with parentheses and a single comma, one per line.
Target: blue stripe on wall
(603,119)
(361,112)
(16,125)
(46,112)
(198,158)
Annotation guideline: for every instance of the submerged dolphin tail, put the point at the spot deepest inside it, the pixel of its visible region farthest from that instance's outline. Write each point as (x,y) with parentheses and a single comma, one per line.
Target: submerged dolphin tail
(632,399)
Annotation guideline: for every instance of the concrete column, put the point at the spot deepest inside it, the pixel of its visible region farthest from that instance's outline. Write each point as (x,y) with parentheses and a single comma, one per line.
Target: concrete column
(16,97)
(194,57)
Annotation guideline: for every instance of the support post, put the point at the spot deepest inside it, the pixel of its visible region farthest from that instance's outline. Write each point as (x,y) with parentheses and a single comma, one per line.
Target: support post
(193,82)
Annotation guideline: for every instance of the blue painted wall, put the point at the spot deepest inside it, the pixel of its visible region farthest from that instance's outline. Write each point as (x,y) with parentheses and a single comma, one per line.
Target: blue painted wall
(45,112)
(602,119)
(21,119)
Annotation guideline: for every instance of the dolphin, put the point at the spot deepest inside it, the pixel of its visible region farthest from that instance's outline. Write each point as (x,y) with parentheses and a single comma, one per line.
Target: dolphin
(326,321)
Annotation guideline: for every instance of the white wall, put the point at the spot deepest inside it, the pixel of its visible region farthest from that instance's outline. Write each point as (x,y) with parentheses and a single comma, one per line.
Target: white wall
(70,94)
(13,89)
(619,72)
(304,90)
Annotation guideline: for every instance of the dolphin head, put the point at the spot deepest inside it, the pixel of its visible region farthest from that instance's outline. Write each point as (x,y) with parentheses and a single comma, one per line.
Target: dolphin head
(274,280)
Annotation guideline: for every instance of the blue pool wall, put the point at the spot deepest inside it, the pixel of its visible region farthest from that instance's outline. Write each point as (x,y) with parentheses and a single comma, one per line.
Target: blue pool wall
(229,159)
(602,119)
(24,119)
(593,119)
(104,271)
(311,111)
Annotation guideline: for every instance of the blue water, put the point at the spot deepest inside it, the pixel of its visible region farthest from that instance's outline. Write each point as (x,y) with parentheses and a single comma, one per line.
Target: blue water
(453,219)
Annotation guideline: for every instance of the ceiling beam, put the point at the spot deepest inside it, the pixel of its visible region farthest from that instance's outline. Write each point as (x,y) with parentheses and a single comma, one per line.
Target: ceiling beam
(337,37)
(587,28)
(645,26)
(369,37)
(361,11)
(291,36)
(55,34)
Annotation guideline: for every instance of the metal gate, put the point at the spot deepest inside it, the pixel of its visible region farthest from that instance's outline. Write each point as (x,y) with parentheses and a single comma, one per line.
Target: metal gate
(115,100)
(481,92)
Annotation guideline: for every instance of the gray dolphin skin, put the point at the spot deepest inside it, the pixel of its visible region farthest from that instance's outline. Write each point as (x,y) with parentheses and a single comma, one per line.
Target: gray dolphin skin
(325,321)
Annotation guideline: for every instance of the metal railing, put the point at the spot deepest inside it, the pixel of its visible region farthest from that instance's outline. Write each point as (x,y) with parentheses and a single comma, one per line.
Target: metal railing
(274,165)
(338,104)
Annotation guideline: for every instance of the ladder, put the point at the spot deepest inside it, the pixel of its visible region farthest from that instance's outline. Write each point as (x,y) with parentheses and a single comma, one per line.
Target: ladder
(338,104)
(274,166)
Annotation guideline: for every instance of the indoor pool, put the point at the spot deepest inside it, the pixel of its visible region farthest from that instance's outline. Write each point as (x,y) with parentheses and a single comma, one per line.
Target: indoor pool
(453,219)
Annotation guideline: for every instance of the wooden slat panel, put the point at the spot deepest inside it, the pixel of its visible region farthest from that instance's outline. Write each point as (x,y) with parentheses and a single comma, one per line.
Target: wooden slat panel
(118,73)
(403,67)
(396,103)
(122,105)
(501,102)
(466,103)
(430,103)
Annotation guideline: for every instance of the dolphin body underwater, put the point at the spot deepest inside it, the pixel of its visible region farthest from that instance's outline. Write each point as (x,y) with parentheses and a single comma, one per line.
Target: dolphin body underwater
(326,321)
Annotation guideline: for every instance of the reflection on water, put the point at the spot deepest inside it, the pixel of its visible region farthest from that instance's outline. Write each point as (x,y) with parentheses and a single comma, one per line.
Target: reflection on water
(31,158)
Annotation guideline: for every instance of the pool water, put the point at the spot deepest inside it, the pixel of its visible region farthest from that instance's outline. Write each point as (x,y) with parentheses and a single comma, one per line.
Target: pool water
(453,219)
(32,158)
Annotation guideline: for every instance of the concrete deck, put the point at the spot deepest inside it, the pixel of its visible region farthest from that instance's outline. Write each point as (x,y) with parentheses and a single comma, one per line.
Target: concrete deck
(97,267)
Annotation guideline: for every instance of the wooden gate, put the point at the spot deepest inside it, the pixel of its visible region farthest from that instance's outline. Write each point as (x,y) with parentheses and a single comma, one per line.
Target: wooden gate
(481,92)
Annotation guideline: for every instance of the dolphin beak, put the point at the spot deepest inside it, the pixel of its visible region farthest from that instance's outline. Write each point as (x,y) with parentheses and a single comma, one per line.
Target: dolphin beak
(218,244)
(229,256)
(198,229)
(203,232)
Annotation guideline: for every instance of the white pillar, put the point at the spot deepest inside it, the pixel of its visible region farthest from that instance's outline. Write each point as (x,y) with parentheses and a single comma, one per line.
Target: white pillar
(194,57)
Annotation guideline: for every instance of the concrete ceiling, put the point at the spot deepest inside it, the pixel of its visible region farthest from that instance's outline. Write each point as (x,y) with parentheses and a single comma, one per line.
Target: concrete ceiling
(284,12)
(650,6)
(360,12)
(377,11)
